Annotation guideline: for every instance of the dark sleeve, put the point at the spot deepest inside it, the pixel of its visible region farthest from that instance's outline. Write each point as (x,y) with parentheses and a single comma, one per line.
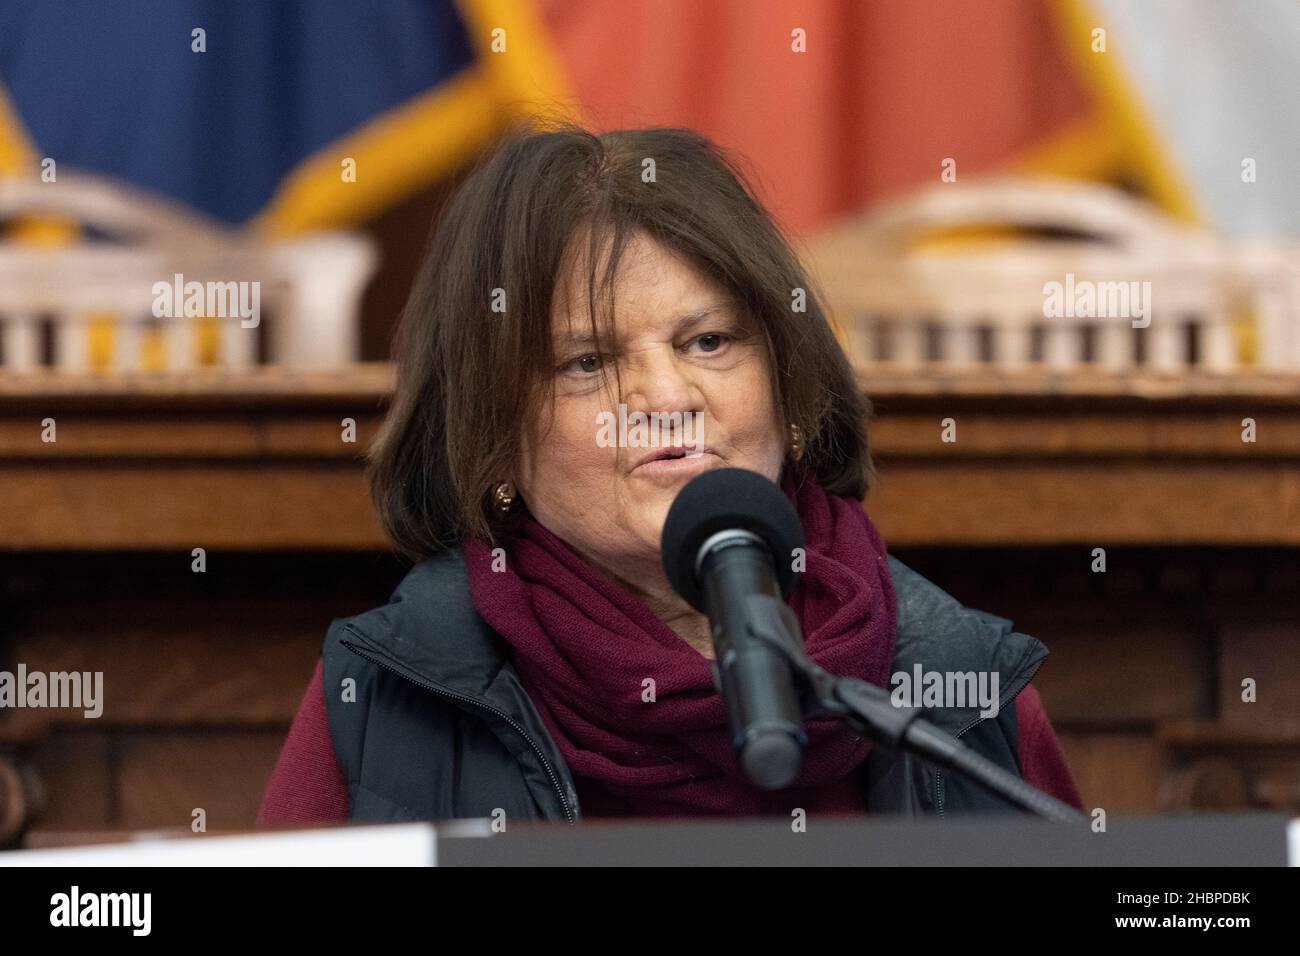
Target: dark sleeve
(307,785)
(1042,761)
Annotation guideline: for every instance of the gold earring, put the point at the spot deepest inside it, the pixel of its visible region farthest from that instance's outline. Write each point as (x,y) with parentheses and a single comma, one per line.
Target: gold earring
(505,496)
(796,443)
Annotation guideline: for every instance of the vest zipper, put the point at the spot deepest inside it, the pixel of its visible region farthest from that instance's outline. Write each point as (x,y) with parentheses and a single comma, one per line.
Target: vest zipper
(938,773)
(546,764)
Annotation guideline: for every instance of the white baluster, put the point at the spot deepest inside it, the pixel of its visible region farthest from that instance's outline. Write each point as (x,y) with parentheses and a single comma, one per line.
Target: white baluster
(1114,344)
(1011,343)
(238,344)
(328,273)
(1218,347)
(21,341)
(178,340)
(909,341)
(127,338)
(1165,343)
(961,337)
(71,343)
(1061,346)
(1291,344)
(1277,325)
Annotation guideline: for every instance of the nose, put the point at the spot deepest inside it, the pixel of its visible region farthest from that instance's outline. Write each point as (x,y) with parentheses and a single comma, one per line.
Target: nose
(658,381)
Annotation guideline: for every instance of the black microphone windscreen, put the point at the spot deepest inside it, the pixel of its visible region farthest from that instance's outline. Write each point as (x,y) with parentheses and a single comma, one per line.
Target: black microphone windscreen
(720,500)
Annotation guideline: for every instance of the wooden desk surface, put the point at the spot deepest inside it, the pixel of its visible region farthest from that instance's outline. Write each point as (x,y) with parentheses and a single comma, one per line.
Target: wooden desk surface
(259,461)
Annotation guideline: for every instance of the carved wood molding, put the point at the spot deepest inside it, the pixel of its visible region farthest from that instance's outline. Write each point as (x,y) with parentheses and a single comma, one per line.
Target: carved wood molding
(257,460)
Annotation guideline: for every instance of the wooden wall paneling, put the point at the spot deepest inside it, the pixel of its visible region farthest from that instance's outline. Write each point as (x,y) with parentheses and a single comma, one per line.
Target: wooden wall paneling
(1120,772)
(1269,653)
(163,776)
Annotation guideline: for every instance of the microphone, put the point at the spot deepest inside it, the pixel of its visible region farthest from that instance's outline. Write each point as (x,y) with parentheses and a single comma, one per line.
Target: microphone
(727,549)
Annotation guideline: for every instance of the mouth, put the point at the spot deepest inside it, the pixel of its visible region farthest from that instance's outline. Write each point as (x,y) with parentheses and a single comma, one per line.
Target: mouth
(673,459)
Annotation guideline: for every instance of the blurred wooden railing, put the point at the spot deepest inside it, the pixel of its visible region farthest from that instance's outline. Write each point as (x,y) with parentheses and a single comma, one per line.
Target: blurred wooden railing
(169,289)
(1022,274)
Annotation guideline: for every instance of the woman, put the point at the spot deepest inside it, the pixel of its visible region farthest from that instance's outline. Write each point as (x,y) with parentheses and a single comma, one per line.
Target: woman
(535,663)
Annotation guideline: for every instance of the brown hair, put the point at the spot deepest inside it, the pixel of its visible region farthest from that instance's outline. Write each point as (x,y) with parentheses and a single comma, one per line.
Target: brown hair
(468,377)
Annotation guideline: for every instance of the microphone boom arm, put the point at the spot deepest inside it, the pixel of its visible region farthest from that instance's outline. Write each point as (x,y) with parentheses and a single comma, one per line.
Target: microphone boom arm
(868,710)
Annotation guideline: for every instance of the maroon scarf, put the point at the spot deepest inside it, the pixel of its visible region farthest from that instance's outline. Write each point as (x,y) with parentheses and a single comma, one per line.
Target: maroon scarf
(584,646)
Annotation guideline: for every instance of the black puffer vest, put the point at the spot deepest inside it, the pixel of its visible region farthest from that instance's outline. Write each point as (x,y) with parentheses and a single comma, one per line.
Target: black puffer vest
(430,721)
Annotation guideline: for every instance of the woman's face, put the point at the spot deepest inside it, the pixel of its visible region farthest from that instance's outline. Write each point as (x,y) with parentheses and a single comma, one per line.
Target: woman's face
(681,349)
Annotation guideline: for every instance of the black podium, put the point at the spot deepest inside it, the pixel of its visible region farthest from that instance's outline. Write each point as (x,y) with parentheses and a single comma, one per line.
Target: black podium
(1236,839)
(1248,839)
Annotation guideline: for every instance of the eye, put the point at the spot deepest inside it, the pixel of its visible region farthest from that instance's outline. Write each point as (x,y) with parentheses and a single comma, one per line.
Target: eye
(584,364)
(711,341)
